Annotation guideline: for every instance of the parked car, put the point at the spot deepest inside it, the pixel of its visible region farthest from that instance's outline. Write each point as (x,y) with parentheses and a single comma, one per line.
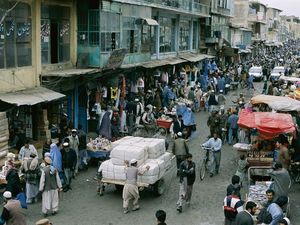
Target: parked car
(256,71)
(277,72)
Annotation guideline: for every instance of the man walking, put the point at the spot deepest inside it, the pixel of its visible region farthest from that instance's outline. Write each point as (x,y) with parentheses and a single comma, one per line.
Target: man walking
(69,159)
(233,127)
(232,206)
(50,185)
(187,179)
(245,217)
(215,144)
(12,211)
(130,190)
(74,144)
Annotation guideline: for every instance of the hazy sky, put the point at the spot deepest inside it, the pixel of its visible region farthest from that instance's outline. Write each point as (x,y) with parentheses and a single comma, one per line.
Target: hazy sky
(289,7)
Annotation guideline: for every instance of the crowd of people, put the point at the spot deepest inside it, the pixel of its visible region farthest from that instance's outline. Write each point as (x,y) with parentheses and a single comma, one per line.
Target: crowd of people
(62,161)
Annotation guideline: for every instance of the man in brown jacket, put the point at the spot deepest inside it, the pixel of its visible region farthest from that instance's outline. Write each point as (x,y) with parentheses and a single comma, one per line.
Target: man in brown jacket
(12,211)
(180,150)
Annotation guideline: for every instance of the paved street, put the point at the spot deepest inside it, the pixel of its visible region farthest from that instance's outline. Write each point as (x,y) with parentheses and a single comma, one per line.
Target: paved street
(82,206)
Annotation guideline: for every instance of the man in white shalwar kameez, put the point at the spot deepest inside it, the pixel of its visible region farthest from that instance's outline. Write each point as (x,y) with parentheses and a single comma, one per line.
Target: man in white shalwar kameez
(130,190)
(50,185)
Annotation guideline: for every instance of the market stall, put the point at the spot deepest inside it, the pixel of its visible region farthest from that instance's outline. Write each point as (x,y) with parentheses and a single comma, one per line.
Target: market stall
(99,148)
(268,126)
(277,103)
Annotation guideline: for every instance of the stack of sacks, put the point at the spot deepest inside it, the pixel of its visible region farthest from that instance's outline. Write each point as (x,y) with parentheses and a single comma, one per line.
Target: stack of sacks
(147,151)
(156,147)
(111,171)
(166,157)
(126,152)
(120,141)
(155,172)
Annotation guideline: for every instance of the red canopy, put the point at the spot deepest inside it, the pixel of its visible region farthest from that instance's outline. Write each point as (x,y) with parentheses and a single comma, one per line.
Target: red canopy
(268,124)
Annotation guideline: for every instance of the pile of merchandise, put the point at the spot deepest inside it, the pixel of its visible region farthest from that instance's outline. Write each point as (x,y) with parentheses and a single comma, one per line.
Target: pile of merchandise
(99,143)
(147,151)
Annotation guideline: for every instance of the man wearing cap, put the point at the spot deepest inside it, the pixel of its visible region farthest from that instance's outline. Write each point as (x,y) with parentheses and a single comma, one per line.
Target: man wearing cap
(69,159)
(26,151)
(74,144)
(12,213)
(32,172)
(284,221)
(130,190)
(50,184)
(180,149)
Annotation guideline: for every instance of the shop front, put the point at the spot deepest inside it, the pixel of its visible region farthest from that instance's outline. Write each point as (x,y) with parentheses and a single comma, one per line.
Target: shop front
(25,116)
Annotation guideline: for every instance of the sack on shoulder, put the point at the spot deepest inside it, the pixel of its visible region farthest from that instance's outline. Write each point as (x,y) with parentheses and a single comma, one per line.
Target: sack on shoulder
(264,216)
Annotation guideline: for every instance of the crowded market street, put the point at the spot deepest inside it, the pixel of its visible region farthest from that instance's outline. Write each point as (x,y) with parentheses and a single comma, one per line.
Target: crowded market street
(82,205)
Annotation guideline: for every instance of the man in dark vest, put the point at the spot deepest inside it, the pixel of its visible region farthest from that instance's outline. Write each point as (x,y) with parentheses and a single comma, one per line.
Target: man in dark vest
(180,150)
(50,185)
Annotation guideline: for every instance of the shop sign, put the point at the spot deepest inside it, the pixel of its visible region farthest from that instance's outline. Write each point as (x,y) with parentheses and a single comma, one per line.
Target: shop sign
(116,58)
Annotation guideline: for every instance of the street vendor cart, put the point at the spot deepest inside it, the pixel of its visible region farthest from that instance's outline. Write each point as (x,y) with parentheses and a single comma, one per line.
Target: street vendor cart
(149,152)
(259,182)
(268,126)
(98,149)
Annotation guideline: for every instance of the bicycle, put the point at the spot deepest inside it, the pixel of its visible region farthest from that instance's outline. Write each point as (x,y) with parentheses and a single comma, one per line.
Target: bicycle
(205,165)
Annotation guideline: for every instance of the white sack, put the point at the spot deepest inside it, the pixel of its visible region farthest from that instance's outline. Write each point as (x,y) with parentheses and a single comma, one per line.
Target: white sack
(124,152)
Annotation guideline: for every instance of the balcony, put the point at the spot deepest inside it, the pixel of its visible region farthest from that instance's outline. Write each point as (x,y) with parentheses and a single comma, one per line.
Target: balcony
(185,6)
(220,10)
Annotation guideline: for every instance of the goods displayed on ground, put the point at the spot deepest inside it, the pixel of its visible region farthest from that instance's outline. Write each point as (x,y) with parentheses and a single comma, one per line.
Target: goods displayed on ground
(257,192)
(98,144)
(147,151)
(4,135)
(184,101)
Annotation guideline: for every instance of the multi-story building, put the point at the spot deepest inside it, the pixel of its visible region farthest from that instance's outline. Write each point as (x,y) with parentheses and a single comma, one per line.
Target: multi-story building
(273,24)
(240,28)
(293,26)
(218,37)
(36,36)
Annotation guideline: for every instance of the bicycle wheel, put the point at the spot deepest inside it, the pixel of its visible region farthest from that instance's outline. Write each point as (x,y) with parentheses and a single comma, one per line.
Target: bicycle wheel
(202,169)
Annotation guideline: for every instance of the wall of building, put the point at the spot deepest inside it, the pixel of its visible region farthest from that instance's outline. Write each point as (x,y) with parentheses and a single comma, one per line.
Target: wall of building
(16,77)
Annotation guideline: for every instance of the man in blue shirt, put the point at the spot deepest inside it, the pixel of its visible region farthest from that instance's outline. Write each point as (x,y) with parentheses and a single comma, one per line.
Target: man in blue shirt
(275,209)
(215,144)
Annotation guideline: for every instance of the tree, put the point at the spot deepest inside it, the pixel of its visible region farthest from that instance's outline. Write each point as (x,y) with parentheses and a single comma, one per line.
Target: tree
(6,8)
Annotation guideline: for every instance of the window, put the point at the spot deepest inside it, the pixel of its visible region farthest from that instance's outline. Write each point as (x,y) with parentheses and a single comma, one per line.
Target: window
(146,38)
(55,34)
(196,34)
(131,34)
(110,31)
(15,38)
(167,34)
(184,34)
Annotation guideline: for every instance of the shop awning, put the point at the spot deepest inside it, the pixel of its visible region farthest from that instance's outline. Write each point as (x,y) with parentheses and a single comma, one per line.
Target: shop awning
(192,57)
(150,22)
(268,124)
(278,103)
(162,62)
(30,96)
(69,72)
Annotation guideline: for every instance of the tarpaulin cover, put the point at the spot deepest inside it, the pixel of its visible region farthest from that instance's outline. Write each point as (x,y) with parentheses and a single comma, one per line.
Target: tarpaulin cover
(278,103)
(268,124)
